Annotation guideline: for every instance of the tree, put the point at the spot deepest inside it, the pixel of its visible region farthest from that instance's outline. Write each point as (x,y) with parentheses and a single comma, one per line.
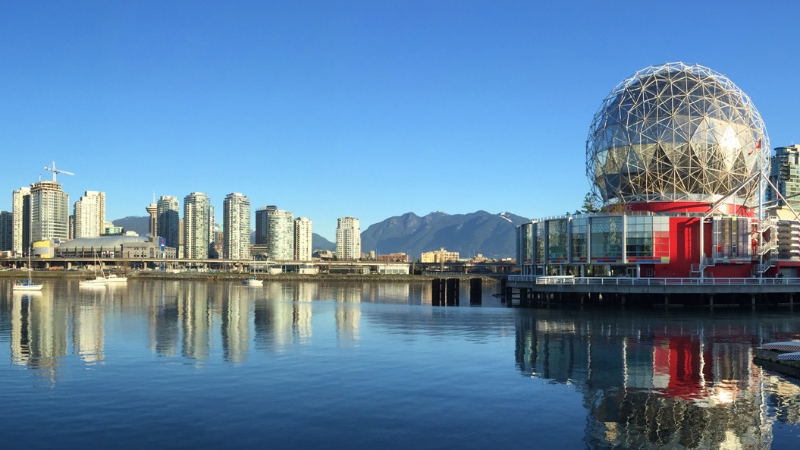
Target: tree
(591,203)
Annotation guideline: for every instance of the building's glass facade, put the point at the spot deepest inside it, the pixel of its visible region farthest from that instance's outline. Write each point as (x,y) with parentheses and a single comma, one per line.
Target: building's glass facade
(525,253)
(596,239)
(733,238)
(557,241)
(579,240)
(538,246)
(607,239)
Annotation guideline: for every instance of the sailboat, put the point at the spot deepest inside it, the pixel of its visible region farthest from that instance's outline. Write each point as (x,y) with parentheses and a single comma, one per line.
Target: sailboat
(28,285)
(97,281)
(113,279)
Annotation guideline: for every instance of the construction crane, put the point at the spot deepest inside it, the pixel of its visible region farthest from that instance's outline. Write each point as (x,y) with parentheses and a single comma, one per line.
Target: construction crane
(55,171)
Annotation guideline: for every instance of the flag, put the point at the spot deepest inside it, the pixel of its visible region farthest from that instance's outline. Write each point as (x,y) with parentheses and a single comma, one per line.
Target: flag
(757,147)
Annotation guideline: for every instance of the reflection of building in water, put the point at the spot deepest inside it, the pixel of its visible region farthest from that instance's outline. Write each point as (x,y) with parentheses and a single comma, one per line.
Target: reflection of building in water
(196,321)
(235,324)
(348,313)
(784,397)
(684,388)
(87,330)
(39,332)
(163,315)
(304,294)
(387,293)
(274,317)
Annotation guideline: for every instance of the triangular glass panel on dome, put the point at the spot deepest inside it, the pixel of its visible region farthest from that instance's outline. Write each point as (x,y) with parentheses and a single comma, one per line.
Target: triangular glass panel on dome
(659,160)
(673,151)
(610,165)
(684,128)
(645,153)
(632,162)
(601,157)
(620,138)
(699,106)
(740,170)
(707,132)
(702,151)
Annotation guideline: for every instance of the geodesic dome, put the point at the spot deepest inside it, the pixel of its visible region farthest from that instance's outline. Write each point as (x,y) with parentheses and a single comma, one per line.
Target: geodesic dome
(676,132)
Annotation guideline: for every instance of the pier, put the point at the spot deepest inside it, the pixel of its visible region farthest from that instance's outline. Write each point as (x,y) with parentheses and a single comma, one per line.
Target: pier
(664,292)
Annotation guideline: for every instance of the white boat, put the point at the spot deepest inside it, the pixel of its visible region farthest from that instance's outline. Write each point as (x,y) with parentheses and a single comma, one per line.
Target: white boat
(113,279)
(97,281)
(27,285)
(252,282)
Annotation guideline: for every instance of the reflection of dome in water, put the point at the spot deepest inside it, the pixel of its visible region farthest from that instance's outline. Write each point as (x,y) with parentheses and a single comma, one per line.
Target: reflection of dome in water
(676,132)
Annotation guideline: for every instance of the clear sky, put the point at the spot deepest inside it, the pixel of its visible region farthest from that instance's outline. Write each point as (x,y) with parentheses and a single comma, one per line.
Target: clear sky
(354,108)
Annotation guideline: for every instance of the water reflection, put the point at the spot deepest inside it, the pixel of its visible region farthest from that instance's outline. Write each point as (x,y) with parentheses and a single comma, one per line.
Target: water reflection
(646,380)
(650,382)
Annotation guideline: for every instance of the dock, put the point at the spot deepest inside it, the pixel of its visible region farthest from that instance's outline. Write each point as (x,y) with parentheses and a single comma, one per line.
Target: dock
(667,292)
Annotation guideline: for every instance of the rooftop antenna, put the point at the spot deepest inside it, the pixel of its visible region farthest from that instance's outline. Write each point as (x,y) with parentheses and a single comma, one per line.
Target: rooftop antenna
(56,171)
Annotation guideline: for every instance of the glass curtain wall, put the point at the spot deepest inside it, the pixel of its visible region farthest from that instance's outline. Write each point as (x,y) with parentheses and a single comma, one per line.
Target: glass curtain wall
(607,239)
(580,239)
(557,245)
(731,238)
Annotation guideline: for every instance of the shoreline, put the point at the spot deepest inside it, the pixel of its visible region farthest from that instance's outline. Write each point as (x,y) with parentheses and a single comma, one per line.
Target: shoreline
(231,276)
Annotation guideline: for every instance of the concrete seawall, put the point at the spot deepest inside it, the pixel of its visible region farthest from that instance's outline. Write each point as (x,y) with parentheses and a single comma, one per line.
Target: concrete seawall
(234,276)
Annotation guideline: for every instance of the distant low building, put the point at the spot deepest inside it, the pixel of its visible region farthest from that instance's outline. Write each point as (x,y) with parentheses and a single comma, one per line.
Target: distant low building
(111,230)
(325,255)
(439,256)
(393,257)
(113,247)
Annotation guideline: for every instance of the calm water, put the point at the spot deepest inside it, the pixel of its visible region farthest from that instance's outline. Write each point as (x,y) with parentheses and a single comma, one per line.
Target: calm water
(306,365)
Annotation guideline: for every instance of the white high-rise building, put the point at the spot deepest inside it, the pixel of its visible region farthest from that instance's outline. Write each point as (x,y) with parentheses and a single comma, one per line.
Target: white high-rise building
(212,226)
(236,227)
(49,211)
(196,217)
(275,229)
(21,215)
(168,220)
(302,239)
(348,239)
(90,214)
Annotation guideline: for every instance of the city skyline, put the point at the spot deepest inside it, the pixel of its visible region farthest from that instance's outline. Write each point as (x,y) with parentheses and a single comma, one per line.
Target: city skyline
(345,95)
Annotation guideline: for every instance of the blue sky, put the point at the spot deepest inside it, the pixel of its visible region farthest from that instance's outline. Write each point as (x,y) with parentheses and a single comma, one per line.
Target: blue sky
(368,109)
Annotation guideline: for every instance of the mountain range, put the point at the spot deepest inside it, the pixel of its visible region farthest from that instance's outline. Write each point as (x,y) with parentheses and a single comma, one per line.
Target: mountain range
(492,235)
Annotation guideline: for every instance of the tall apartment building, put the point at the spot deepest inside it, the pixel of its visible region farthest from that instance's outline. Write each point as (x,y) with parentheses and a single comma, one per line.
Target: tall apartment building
(275,229)
(181,239)
(212,226)
(302,239)
(348,239)
(196,217)
(6,230)
(785,175)
(21,212)
(236,226)
(168,220)
(49,211)
(90,214)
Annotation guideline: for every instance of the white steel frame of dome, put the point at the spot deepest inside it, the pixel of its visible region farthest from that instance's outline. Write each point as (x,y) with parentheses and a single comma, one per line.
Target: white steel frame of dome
(677,133)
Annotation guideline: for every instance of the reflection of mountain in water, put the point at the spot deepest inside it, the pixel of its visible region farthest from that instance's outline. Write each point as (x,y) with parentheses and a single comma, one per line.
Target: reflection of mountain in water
(687,385)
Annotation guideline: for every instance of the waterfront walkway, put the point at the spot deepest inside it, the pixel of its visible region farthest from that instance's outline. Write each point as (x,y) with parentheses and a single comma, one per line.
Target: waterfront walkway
(567,289)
